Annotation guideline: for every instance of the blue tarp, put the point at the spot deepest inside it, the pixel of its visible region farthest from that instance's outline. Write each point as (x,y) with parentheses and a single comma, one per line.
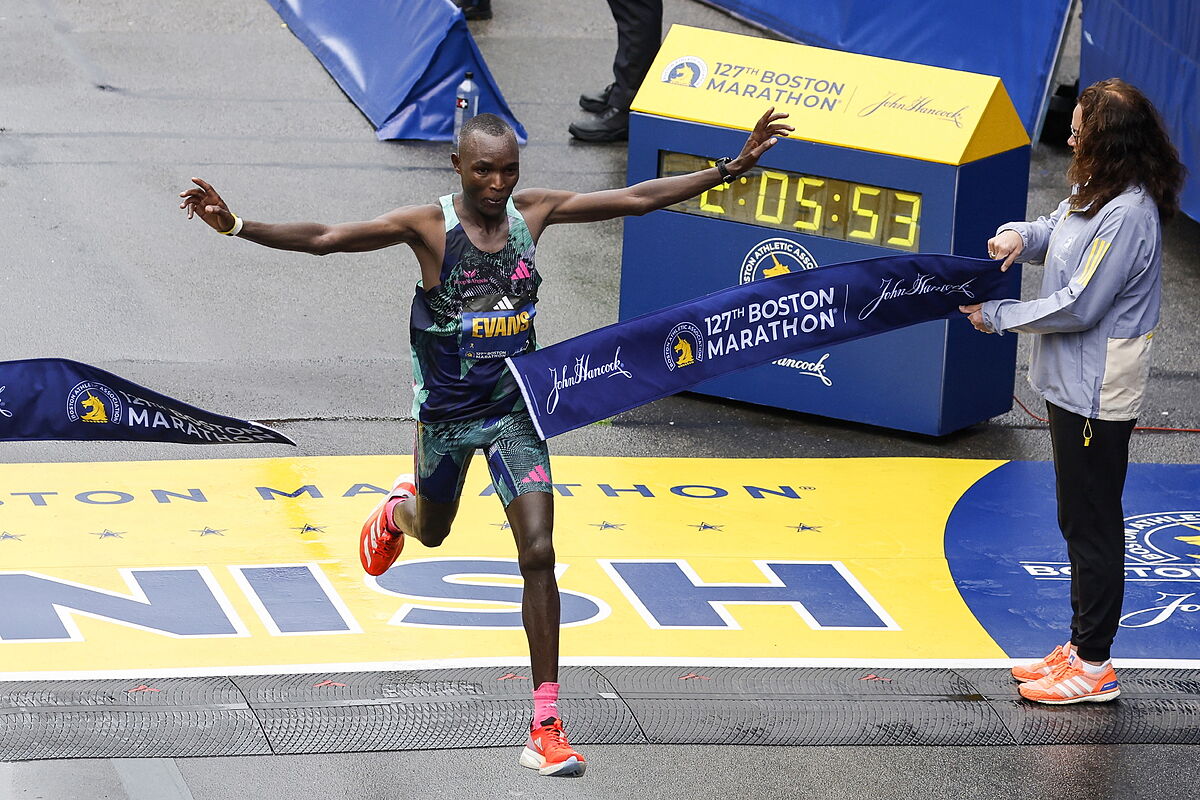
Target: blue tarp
(1015,40)
(1156,47)
(400,61)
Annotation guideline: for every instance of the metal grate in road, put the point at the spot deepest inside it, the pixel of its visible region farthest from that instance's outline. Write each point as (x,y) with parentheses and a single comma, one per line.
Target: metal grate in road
(489,707)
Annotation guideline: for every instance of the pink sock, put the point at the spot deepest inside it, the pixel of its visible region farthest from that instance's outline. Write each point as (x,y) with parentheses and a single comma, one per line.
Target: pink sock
(545,702)
(389,518)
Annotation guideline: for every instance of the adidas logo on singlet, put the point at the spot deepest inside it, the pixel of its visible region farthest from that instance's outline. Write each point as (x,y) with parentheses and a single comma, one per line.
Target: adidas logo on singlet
(503,304)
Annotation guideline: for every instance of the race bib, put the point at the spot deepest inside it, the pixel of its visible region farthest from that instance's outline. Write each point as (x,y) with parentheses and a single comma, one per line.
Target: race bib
(496,326)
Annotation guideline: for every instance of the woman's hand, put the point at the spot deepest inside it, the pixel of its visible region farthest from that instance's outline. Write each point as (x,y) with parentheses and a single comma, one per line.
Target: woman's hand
(975,317)
(1007,245)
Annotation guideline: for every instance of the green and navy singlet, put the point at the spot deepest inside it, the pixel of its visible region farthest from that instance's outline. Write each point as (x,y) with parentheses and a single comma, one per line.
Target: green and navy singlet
(463,329)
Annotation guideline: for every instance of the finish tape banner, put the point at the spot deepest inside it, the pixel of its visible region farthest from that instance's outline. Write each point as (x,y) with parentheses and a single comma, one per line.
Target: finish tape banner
(634,362)
(43,399)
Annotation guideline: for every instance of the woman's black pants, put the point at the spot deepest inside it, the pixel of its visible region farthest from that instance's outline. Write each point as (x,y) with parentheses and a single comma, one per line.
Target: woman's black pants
(1091,457)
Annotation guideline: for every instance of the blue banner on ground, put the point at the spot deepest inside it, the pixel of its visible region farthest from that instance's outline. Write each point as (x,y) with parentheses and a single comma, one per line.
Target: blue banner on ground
(622,366)
(54,399)
(1015,40)
(1156,47)
(399,61)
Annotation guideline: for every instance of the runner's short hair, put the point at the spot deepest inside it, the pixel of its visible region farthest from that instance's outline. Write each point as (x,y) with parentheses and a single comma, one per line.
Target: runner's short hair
(488,124)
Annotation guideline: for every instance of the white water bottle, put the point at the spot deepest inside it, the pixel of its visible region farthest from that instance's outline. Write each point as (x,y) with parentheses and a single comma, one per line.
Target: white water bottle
(466,104)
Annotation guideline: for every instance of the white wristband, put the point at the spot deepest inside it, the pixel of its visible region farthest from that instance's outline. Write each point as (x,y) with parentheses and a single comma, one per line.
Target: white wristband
(236,229)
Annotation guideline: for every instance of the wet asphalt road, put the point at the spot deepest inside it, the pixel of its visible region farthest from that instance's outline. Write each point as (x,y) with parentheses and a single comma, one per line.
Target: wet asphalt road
(107,109)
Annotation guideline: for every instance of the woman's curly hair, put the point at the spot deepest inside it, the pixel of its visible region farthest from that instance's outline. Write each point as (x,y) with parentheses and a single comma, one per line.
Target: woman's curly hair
(1121,143)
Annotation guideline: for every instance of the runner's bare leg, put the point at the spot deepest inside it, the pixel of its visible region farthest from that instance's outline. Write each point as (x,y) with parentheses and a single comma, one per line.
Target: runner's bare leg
(425,520)
(532,519)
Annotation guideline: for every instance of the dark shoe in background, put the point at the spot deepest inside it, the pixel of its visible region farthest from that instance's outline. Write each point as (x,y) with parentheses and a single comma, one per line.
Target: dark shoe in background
(610,125)
(596,103)
(475,9)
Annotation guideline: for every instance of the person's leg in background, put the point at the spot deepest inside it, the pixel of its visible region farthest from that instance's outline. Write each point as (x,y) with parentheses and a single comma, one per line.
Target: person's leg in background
(639,34)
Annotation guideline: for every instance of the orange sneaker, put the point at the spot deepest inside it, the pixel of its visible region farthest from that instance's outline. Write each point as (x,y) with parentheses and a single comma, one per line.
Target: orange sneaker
(548,752)
(1040,669)
(1069,683)
(381,542)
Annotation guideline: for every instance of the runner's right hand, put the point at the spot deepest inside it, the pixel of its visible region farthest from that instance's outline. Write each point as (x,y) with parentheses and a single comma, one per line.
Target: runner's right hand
(203,200)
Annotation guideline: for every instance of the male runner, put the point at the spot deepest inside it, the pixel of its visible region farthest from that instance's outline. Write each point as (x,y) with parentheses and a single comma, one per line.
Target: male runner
(474,306)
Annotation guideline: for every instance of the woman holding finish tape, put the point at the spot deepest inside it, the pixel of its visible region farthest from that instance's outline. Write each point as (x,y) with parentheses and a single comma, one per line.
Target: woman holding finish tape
(1094,320)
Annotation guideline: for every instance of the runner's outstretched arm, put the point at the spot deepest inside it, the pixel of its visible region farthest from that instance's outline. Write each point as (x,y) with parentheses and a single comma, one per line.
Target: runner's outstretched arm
(561,206)
(395,227)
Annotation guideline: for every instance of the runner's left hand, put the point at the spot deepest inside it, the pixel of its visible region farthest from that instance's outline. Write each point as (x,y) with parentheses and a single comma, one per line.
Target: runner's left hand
(762,138)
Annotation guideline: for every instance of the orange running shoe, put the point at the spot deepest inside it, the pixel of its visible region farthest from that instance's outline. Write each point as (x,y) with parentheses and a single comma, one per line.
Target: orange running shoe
(1068,683)
(1040,669)
(548,752)
(381,542)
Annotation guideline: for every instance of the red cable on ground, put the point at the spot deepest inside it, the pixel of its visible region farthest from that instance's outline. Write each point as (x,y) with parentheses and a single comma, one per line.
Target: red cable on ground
(1138,428)
(1027,411)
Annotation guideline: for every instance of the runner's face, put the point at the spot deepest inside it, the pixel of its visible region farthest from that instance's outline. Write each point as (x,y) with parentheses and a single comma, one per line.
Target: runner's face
(490,167)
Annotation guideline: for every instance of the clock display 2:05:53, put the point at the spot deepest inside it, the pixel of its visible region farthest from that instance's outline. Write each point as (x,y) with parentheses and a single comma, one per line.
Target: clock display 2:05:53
(805,203)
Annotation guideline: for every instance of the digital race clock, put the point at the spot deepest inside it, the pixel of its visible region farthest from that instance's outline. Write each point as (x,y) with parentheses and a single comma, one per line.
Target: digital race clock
(816,205)
(888,158)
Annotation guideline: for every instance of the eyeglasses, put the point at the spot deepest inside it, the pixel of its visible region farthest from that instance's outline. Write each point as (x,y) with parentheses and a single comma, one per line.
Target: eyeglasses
(1074,132)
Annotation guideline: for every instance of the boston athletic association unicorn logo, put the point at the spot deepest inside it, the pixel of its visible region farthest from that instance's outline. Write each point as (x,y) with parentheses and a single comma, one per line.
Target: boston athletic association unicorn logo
(683,347)
(93,402)
(685,353)
(688,71)
(96,411)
